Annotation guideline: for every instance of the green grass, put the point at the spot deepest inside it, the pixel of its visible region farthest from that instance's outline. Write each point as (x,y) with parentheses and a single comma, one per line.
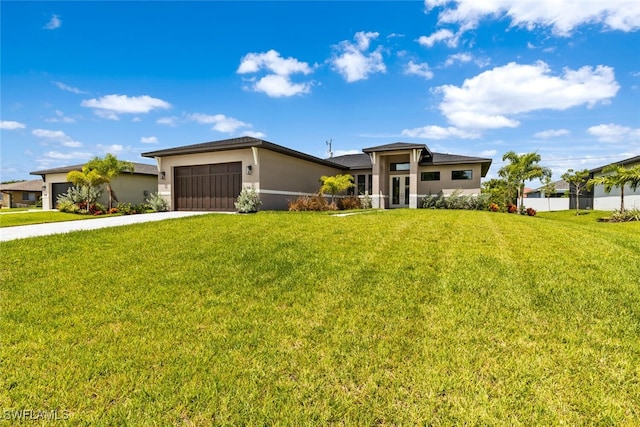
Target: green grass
(29,218)
(399,317)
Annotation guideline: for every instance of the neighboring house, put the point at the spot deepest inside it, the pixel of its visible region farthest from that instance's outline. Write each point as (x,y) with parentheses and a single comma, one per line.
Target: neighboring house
(128,187)
(562,190)
(21,194)
(209,176)
(611,201)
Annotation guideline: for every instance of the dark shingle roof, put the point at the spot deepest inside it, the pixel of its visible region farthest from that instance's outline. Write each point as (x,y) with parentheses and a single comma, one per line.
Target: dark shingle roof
(31,185)
(353,161)
(363,161)
(396,146)
(234,144)
(629,161)
(139,168)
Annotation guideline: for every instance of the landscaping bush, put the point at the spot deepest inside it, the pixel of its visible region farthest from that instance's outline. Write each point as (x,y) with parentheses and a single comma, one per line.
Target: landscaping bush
(531,212)
(494,207)
(351,202)
(248,200)
(626,216)
(75,200)
(131,209)
(311,203)
(156,203)
(365,202)
(511,208)
(456,200)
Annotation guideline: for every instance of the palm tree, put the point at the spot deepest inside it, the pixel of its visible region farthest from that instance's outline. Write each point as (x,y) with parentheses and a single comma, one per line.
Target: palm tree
(108,168)
(86,179)
(521,168)
(618,176)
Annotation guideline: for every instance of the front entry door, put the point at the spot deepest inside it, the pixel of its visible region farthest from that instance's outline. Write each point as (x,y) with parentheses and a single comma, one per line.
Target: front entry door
(399,191)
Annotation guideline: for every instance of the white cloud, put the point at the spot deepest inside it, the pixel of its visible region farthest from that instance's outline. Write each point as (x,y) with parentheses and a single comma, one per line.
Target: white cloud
(277,82)
(458,57)
(221,123)
(488,153)
(353,63)
(71,89)
(276,86)
(110,106)
(550,133)
(114,148)
(421,70)
(489,99)
(563,16)
(149,140)
(442,35)
(67,156)
(54,23)
(439,132)
(613,133)
(254,134)
(169,121)
(11,125)
(60,118)
(56,136)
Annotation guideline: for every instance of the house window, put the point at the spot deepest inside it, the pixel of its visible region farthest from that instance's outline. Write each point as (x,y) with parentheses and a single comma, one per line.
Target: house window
(468,174)
(400,166)
(430,176)
(370,183)
(28,197)
(361,184)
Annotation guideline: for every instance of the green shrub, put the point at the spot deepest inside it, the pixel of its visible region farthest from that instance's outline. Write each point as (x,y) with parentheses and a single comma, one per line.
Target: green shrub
(456,200)
(365,202)
(626,216)
(157,203)
(248,200)
(131,209)
(76,198)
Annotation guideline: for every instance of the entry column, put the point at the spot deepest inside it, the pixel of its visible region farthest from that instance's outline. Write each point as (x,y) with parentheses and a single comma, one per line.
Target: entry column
(413,177)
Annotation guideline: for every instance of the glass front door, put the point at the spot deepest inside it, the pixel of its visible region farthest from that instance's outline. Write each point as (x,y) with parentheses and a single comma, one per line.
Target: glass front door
(399,191)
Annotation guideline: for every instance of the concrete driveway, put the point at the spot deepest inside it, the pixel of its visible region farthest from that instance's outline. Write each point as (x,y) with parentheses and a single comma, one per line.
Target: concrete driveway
(24,231)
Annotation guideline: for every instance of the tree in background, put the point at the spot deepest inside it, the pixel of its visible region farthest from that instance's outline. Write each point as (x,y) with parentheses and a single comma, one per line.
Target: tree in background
(618,176)
(577,181)
(548,188)
(335,184)
(108,168)
(521,168)
(498,191)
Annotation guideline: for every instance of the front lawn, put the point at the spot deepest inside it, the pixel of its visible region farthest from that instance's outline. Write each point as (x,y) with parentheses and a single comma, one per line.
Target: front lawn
(399,317)
(29,218)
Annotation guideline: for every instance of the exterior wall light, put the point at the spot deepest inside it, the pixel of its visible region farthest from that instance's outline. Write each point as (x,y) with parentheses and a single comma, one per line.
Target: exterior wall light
(249,169)
(162,175)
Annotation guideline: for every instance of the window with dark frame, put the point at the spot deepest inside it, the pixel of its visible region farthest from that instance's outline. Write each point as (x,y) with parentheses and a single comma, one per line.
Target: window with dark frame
(466,174)
(400,166)
(361,184)
(430,176)
(370,183)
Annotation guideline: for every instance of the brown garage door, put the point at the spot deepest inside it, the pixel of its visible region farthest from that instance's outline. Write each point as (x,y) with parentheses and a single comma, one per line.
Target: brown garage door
(207,187)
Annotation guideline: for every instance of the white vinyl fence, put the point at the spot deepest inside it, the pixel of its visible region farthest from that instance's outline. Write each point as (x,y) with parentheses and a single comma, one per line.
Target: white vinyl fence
(547,205)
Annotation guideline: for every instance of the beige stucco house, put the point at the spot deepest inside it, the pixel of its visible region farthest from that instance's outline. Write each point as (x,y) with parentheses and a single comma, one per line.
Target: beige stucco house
(209,176)
(20,194)
(128,187)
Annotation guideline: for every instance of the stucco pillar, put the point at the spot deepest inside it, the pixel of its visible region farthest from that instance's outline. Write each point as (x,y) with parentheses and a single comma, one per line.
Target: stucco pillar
(375,182)
(413,178)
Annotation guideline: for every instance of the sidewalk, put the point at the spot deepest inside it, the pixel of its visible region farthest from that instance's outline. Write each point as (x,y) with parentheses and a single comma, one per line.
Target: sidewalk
(25,231)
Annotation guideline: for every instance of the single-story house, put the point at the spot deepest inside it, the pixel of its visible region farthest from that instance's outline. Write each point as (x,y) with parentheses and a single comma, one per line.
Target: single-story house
(561,190)
(129,187)
(611,201)
(21,194)
(210,175)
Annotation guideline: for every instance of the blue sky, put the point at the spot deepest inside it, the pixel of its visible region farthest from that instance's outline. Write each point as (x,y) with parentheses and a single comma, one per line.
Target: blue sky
(81,79)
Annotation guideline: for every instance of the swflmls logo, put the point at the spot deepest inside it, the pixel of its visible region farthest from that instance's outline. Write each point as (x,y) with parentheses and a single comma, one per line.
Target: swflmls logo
(30,414)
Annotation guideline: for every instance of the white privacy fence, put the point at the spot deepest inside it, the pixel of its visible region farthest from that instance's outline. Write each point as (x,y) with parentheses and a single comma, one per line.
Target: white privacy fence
(547,205)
